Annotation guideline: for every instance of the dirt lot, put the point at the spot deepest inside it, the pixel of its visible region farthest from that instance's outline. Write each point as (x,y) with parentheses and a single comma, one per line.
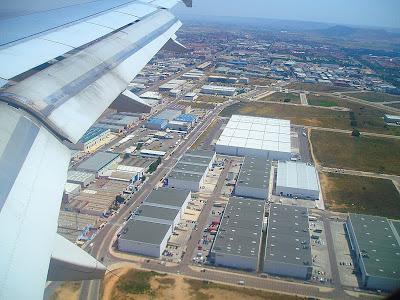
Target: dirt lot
(374,97)
(372,154)
(135,284)
(373,196)
(67,290)
(316,87)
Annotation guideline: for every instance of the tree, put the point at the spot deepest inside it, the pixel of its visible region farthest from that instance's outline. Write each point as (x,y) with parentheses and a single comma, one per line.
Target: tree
(355,133)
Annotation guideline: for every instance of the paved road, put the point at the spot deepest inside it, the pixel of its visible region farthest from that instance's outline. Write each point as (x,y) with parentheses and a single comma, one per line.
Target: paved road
(303,99)
(102,241)
(205,213)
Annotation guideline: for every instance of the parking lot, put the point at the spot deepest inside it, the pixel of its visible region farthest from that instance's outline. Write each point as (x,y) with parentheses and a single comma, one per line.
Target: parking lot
(347,271)
(319,251)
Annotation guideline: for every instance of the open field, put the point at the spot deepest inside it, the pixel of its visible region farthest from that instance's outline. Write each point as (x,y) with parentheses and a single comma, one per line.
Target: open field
(339,150)
(204,135)
(135,284)
(395,105)
(195,104)
(374,96)
(325,101)
(366,195)
(367,118)
(302,115)
(282,97)
(317,87)
(212,99)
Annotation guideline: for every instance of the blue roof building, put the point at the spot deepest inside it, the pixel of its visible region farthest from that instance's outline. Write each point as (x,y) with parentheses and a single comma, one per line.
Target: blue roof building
(157,123)
(188,118)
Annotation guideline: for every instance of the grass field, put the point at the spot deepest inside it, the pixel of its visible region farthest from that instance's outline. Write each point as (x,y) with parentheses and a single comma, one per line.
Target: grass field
(211,99)
(367,118)
(374,96)
(316,87)
(378,155)
(372,196)
(325,101)
(301,115)
(282,97)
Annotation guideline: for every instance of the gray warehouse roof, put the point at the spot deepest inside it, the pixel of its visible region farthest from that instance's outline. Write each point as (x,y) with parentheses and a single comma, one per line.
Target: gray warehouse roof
(288,236)
(255,172)
(195,160)
(297,175)
(159,213)
(189,168)
(201,153)
(98,161)
(240,229)
(380,250)
(168,197)
(79,176)
(145,232)
(185,176)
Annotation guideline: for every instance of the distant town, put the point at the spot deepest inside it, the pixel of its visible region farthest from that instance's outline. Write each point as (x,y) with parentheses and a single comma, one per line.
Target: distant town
(256,158)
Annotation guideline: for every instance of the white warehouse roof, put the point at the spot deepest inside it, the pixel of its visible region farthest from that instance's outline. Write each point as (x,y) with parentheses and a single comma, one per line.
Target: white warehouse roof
(260,134)
(297,175)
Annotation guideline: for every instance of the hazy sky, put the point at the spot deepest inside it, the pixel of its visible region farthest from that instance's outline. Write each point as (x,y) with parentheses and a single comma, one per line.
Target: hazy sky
(352,12)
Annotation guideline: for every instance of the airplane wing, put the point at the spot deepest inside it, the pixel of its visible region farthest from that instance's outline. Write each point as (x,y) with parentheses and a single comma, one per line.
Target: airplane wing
(60,69)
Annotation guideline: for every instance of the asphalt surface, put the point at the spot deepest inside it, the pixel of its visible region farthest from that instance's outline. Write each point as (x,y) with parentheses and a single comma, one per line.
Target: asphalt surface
(102,241)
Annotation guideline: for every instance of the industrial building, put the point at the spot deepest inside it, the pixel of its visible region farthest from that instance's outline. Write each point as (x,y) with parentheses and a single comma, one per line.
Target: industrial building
(71,190)
(127,173)
(169,198)
(152,153)
(169,114)
(144,237)
(288,249)
(156,214)
(238,241)
(297,179)
(218,90)
(119,119)
(392,119)
(190,96)
(129,102)
(192,119)
(376,245)
(179,125)
(81,178)
(191,170)
(173,84)
(221,79)
(93,137)
(99,163)
(254,178)
(156,123)
(256,136)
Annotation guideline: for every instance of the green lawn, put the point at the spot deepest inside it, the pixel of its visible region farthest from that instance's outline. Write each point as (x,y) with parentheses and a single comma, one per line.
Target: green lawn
(301,115)
(316,87)
(136,282)
(378,155)
(325,101)
(282,97)
(364,195)
(374,96)
(211,99)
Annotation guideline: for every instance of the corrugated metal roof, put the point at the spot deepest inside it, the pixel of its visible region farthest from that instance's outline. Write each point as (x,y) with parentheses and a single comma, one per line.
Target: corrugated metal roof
(297,175)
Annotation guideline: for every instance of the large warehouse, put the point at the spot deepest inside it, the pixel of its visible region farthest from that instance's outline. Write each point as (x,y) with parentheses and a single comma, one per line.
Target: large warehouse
(100,163)
(237,244)
(79,177)
(297,179)
(375,242)
(288,249)
(169,198)
(218,90)
(190,171)
(254,178)
(156,214)
(255,136)
(144,237)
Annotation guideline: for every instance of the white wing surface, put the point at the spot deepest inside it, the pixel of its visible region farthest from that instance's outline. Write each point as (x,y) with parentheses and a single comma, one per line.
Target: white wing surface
(60,69)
